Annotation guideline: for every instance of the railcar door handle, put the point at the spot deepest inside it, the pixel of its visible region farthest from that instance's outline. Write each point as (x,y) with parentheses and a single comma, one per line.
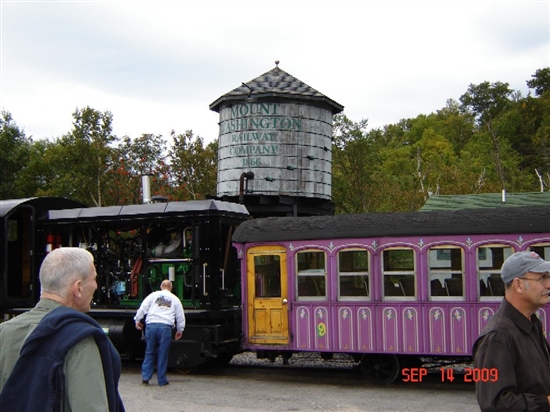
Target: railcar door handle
(285,301)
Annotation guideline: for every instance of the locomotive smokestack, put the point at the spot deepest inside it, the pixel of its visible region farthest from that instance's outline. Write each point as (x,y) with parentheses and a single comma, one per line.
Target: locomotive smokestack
(146,188)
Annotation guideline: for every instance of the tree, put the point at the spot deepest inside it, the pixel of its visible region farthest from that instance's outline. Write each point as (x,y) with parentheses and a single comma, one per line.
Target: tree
(419,158)
(131,160)
(486,101)
(540,81)
(193,166)
(541,139)
(39,172)
(457,127)
(353,163)
(92,133)
(344,130)
(435,164)
(14,154)
(81,158)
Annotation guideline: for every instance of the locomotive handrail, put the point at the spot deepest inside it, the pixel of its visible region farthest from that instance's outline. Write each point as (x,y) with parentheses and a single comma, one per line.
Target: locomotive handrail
(204,292)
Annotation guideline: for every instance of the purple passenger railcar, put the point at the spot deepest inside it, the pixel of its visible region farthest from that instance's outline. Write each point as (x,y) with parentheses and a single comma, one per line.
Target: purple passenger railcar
(389,289)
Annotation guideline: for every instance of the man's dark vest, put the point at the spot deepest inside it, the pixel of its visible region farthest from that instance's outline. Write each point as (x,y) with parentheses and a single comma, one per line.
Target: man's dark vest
(37,382)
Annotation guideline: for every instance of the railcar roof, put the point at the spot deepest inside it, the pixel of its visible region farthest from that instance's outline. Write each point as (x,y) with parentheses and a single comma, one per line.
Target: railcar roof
(193,207)
(483,200)
(38,203)
(452,222)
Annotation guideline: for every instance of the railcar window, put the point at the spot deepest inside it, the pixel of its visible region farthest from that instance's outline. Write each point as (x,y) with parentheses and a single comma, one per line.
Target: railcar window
(446,272)
(542,250)
(489,261)
(267,270)
(353,273)
(399,275)
(13,230)
(18,283)
(311,274)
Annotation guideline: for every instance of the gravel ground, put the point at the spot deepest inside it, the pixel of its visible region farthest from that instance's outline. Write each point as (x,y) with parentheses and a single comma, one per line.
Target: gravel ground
(339,360)
(303,359)
(306,384)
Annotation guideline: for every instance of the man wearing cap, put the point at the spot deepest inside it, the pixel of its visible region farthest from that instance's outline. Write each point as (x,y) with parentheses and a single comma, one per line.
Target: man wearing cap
(513,341)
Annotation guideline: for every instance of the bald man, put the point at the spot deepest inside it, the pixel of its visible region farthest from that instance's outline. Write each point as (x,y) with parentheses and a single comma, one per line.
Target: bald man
(54,356)
(162,311)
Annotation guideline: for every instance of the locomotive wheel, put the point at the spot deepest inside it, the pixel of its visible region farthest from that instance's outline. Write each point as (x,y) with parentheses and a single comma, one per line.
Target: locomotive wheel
(381,369)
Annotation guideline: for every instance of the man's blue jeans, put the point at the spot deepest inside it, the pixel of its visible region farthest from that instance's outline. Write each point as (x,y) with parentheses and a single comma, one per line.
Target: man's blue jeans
(158,337)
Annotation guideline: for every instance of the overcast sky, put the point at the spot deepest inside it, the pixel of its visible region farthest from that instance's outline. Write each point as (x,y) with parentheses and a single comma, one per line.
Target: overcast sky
(157,65)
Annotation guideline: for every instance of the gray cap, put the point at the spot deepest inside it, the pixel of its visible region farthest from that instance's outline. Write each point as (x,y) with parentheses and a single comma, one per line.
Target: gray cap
(520,263)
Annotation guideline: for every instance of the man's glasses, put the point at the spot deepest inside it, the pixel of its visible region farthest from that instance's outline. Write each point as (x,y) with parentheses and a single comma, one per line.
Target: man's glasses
(543,279)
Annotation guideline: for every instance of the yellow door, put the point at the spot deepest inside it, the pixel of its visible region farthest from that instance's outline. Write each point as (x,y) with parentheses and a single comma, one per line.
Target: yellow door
(267,295)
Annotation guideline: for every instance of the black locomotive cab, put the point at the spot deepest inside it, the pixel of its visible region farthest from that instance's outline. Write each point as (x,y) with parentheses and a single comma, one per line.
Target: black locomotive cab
(135,247)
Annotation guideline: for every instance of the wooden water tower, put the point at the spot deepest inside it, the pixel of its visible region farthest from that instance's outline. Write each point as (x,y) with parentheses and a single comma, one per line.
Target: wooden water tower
(275,146)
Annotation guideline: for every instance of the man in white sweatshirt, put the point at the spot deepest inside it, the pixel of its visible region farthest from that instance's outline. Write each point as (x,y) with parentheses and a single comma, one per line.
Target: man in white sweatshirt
(162,309)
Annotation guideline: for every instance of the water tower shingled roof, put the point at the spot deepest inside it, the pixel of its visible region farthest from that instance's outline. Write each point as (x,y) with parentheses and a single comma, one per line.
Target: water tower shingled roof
(276,84)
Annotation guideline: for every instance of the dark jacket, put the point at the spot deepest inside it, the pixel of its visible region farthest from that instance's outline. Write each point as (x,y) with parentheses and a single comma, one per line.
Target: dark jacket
(37,380)
(517,350)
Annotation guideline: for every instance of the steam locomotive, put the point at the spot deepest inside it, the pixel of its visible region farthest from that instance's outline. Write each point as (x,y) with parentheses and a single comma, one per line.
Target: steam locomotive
(135,247)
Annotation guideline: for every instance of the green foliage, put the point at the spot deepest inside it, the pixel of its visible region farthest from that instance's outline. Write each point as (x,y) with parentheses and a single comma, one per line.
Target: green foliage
(15,150)
(541,81)
(352,150)
(34,178)
(80,159)
(133,158)
(194,167)
(491,139)
(486,101)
